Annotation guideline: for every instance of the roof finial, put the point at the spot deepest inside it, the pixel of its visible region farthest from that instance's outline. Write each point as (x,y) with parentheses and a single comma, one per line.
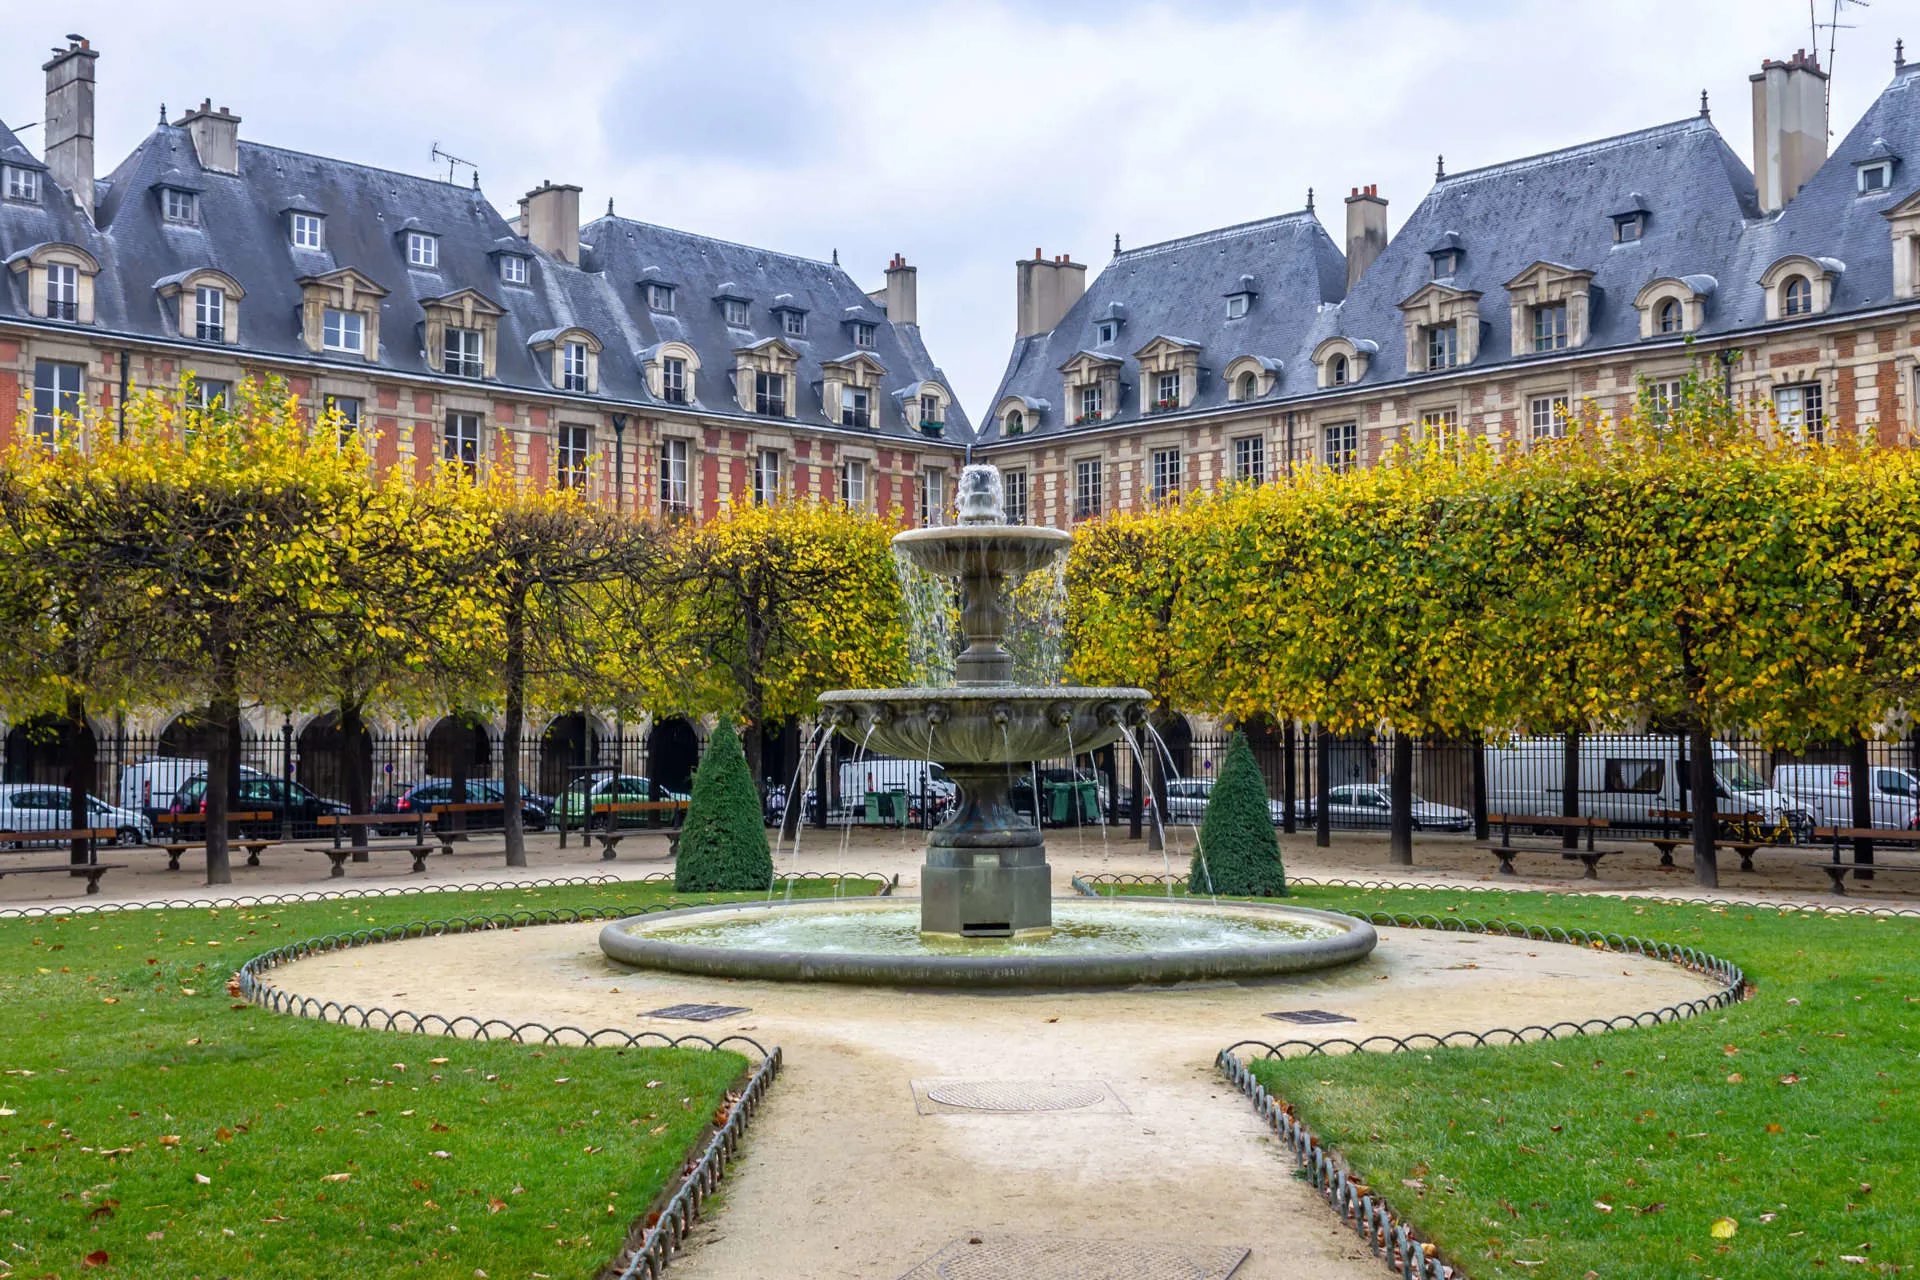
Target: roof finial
(609,206)
(1309,199)
(163,113)
(476,179)
(1439,168)
(836,257)
(1899,56)
(1705,113)
(1116,244)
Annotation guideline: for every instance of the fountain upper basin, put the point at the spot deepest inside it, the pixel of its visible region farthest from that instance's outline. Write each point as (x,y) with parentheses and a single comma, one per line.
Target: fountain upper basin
(986,723)
(955,551)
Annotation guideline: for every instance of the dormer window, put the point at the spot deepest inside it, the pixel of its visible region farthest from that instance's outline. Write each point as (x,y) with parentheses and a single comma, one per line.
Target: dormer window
(737,315)
(1167,391)
(309,231)
(343,331)
(1339,372)
(1442,346)
(930,413)
(465,352)
(770,394)
(1015,423)
(856,407)
(1090,403)
(513,269)
(673,380)
(793,323)
(1796,296)
(862,334)
(1106,331)
(177,205)
(210,314)
(573,367)
(23,185)
(1249,386)
(660,297)
(1628,227)
(1669,317)
(423,250)
(1445,263)
(1236,306)
(1550,327)
(1875,177)
(63,291)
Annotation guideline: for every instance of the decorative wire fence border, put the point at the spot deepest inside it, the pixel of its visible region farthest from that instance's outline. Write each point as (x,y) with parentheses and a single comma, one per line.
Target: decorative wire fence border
(651,1239)
(1089,883)
(40,912)
(1388,1236)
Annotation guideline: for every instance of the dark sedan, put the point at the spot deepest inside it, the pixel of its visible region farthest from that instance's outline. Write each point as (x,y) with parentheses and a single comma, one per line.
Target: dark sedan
(536,811)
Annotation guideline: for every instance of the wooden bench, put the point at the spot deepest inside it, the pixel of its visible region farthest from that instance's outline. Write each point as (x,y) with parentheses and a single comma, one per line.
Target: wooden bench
(1836,870)
(1505,848)
(252,844)
(612,834)
(1667,841)
(92,869)
(415,844)
(448,836)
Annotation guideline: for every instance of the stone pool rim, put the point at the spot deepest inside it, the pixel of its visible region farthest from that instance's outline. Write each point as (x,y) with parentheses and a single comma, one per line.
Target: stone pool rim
(1355,941)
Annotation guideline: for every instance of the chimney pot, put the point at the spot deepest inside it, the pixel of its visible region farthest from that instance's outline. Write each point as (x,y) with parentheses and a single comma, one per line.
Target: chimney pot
(216,136)
(1789,127)
(1045,291)
(552,220)
(902,293)
(69,120)
(1366,230)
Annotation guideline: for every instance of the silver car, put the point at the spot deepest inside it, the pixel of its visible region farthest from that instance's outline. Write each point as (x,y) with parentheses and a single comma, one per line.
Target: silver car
(1371,805)
(28,806)
(1187,801)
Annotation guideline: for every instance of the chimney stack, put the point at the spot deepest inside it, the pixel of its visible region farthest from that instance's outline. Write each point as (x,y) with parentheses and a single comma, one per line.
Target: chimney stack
(69,127)
(551,219)
(1789,127)
(1366,231)
(216,136)
(902,299)
(1045,290)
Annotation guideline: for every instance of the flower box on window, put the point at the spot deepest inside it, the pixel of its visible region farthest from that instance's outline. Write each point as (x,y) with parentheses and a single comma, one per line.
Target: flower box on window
(1086,418)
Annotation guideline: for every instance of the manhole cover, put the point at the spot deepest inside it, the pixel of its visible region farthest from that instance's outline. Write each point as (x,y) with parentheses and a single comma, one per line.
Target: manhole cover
(997,1257)
(698,1012)
(997,1095)
(1310,1017)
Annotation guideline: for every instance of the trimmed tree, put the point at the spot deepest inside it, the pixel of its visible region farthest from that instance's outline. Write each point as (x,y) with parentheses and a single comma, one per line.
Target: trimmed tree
(1242,852)
(724,845)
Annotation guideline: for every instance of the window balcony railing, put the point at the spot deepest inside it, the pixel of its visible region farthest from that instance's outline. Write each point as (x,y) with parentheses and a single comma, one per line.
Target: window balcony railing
(932,426)
(58,309)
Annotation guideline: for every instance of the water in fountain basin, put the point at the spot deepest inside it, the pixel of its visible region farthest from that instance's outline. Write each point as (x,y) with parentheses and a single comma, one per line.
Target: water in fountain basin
(1140,769)
(809,757)
(1166,757)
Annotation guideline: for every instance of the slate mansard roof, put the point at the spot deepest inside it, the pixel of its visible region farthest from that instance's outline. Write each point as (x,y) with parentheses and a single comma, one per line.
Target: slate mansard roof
(243,230)
(1703,223)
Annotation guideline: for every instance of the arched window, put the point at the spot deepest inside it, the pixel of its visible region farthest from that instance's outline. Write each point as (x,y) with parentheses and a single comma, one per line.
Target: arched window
(1669,316)
(1798,295)
(1249,387)
(1016,422)
(1338,377)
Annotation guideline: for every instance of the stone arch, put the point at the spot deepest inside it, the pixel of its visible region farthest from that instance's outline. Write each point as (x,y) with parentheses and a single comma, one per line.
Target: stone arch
(456,741)
(331,762)
(39,751)
(673,753)
(568,740)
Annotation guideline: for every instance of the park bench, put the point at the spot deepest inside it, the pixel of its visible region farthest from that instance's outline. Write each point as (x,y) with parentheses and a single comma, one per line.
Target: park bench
(1746,846)
(92,868)
(450,833)
(252,844)
(1505,848)
(612,833)
(1836,870)
(338,852)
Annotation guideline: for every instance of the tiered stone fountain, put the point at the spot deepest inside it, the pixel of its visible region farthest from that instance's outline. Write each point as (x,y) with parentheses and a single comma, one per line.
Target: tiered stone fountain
(986,915)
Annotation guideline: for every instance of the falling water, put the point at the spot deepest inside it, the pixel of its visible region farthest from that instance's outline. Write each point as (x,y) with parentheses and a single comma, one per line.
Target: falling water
(1140,764)
(1037,626)
(933,611)
(846,828)
(1166,757)
(794,797)
(1073,795)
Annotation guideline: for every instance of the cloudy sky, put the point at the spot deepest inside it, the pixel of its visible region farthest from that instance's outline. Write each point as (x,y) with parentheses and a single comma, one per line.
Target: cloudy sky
(964,134)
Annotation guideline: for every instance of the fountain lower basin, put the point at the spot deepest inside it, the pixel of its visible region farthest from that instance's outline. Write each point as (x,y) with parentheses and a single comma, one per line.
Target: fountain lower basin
(1111,943)
(996,724)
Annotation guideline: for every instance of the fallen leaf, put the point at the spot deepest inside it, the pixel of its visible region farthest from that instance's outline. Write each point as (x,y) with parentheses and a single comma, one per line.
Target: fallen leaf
(170,1140)
(438,1062)
(8,1111)
(1790,1078)
(336,1177)
(1774,1128)
(203,1179)
(1603,1206)
(223,1134)
(437,1127)
(495,1205)
(1724,1228)
(98,1258)
(1734,1078)
(441,1155)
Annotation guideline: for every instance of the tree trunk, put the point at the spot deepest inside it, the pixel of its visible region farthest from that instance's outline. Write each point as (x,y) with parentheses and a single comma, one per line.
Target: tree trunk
(80,770)
(1860,776)
(753,744)
(1570,787)
(1322,787)
(353,746)
(1289,781)
(225,710)
(1479,744)
(1700,781)
(1400,797)
(516,712)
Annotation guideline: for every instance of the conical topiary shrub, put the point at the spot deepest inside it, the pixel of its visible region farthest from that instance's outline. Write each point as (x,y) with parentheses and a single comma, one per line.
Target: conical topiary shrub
(724,844)
(1242,852)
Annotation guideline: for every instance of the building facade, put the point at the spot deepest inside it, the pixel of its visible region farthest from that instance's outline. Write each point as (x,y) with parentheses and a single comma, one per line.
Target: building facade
(1514,299)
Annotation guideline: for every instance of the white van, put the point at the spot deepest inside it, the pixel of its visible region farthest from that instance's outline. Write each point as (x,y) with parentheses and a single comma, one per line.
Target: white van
(883,773)
(1826,791)
(1624,777)
(147,786)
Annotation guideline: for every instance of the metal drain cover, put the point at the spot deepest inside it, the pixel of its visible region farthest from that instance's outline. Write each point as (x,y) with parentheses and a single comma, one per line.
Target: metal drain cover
(1017,1095)
(697,1012)
(1310,1017)
(1011,1257)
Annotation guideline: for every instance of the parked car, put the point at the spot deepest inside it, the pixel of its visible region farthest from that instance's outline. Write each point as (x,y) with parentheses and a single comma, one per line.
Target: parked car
(883,773)
(260,793)
(536,810)
(27,806)
(150,785)
(1825,791)
(612,788)
(1187,801)
(1625,776)
(1371,805)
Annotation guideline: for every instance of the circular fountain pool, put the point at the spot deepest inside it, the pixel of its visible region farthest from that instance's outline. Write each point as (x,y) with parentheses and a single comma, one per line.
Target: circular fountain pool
(1120,942)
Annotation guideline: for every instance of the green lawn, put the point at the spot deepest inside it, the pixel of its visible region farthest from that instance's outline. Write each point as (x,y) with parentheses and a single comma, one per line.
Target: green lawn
(152,1128)
(1794,1115)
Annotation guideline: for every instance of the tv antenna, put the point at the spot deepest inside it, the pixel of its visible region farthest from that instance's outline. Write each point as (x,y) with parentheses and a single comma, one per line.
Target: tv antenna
(437,155)
(1833,27)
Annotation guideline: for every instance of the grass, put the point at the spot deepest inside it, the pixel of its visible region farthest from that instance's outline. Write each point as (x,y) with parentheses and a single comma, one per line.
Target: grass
(152,1126)
(1794,1116)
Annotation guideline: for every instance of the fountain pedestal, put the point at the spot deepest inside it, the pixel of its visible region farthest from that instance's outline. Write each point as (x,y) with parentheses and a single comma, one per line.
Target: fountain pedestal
(986,874)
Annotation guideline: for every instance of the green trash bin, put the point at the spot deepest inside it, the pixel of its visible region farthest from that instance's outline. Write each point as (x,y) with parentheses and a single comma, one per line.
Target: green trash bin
(1060,798)
(887,807)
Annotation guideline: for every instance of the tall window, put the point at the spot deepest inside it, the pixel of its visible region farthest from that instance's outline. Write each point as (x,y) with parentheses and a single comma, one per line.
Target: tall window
(1442,427)
(1086,488)
(1013,495)
(1550,327)
(1090,403)
(177,205)
(853,483)
(465,355)
(1440,346)
(766,477)
(573,367)
(1250,459)
(347,410)
(1015,422)
(63,291)
(929,411)
(933,497)
(1798,295)
(462,444)
(674,494)
(513,269)
(209,314)
(1338,375)
(23,184)
(736,313)
(1801,410)
(423,250)
(660,297)
(343,331)
(1341,446)
(1167,391)
(309,231)
(862,335)
(1662,398)
(856,407)
(1249,387)
(1548,416)
(1166,475)
(1668,317)
(572,471)
(673,380)
(56,397)
(210,394)
(770,395)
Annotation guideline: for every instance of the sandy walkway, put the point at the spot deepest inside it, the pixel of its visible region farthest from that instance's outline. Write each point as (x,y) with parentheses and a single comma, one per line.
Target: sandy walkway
(852,1172)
